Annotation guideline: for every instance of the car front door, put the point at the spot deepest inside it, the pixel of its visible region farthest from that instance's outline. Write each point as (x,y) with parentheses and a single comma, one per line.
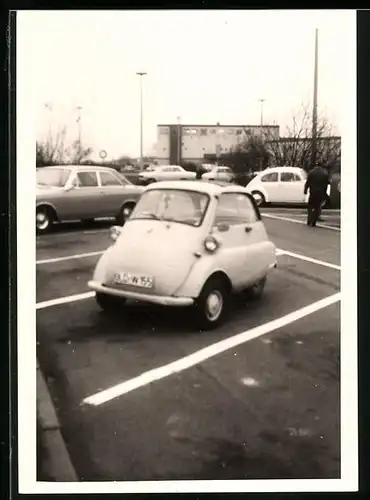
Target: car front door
(112,191)
(291,188)
(270,181)
(242,252)
(84,198)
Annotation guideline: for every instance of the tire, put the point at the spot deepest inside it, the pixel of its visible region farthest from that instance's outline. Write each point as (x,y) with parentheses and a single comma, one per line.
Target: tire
(207,319)
(109,303)
(259,198)
(255,292)
(125,213)
(45,217)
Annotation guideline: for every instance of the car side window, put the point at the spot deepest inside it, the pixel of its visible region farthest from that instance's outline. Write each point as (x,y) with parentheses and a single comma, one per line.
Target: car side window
(271,177)
(87,179)
(108,179)
(287,177)
(234,209)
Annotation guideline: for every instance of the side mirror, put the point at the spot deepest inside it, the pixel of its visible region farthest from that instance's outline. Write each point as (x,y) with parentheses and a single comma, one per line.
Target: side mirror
(115,232)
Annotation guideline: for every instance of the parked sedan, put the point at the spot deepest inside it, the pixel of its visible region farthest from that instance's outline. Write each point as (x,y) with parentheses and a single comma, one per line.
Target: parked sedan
(187,244)
(279,185)
(165,173)
(71,192)
(219,173)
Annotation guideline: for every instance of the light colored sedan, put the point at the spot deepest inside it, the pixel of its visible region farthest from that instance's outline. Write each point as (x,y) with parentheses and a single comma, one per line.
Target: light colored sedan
(69,192)
(165,173)
(219,173)
(187,244)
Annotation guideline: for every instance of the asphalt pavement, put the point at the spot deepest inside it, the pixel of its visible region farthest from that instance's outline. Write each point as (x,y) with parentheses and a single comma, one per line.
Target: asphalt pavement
(145,396)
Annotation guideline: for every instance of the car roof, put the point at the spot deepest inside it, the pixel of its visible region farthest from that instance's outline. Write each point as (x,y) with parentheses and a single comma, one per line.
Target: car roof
(211,188)
(279,169)
(80,167)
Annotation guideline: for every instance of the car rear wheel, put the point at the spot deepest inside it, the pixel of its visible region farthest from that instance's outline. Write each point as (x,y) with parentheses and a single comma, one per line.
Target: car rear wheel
(125,213)
(258,198)
(109,303)
(44,219)
(255,291)
(211,305)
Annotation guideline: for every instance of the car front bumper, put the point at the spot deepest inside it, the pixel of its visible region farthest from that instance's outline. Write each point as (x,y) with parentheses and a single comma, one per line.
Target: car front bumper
(142,297)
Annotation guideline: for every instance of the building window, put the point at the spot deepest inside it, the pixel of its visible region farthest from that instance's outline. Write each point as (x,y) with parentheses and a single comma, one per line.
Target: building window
(203,131)
(239,131)
(163,130)
(213,131)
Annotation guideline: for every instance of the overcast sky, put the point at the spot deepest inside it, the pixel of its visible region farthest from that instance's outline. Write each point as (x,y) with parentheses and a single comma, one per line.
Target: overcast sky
(205,66)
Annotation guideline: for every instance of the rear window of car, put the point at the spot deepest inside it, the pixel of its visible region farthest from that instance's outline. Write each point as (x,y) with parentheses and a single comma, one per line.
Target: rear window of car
(108,179)
(235,208)
(56,177)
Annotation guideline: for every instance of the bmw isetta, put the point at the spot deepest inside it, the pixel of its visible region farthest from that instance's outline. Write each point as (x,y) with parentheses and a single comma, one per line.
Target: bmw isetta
(187,243)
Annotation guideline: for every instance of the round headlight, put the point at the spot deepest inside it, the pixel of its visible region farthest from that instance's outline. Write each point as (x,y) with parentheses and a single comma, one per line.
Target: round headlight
(210,244)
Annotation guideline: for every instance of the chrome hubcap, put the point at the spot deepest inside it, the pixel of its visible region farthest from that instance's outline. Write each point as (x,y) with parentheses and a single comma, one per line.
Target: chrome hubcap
(126,212)
(258,198)
(42,220)
(214,305)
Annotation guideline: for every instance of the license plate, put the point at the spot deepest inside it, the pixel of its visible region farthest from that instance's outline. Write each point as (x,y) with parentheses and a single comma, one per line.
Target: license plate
(133,280)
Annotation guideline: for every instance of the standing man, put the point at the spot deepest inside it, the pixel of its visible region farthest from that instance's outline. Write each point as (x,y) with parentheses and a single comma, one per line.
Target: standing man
(317,182)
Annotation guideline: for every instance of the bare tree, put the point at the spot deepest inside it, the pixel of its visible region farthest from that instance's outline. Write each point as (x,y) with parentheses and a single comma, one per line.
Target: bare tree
(295,147)
(53,151)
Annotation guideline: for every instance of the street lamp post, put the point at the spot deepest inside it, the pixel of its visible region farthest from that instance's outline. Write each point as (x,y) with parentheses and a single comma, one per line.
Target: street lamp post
(48,142)
(261,128)
(314,111)
(141,74)
(79,109)
(261,101)
(178,140)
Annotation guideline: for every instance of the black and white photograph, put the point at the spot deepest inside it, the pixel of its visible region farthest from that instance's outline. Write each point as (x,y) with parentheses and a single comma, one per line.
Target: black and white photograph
(201,348)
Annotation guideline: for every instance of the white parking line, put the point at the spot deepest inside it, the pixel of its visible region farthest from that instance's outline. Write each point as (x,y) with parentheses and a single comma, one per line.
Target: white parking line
(310,259)
(69,257)
(206,353)
(64,300)
(288,219)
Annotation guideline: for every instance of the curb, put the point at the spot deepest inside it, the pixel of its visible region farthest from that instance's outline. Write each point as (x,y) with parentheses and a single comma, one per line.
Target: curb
(56,465)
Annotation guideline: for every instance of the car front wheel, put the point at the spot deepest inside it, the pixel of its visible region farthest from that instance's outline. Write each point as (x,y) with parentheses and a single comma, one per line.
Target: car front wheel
(211,305)
(125,213)
(259,198)
(109,303)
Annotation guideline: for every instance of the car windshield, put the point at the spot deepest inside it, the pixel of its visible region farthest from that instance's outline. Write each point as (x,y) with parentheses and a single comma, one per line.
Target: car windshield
(56,177)
(174,205)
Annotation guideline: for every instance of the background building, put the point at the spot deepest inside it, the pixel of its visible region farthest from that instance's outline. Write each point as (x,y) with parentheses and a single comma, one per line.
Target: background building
(196,143)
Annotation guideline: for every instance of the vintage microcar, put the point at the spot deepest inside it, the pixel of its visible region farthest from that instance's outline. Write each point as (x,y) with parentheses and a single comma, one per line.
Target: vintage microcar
(187,243)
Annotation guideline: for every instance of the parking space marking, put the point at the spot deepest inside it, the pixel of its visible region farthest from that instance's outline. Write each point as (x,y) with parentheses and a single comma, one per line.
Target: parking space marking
(279,252)
(206,353)
(310,259)
(288,219)
(69,257)
(65,300)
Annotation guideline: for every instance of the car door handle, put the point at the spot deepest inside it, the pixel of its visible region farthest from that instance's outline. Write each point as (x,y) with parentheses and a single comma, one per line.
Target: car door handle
(248,229)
